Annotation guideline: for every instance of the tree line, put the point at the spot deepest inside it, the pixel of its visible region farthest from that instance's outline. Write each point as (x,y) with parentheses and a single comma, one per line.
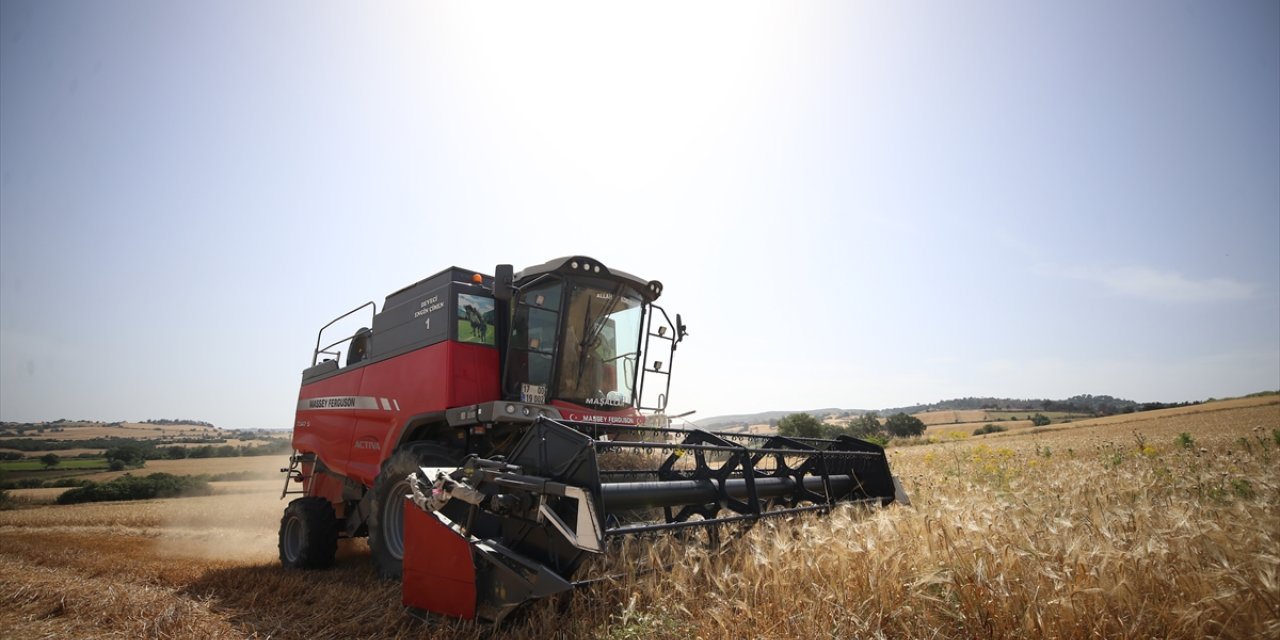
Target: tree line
(127,487)
(136,455)
(180,421)
(868,426)
(1085,404)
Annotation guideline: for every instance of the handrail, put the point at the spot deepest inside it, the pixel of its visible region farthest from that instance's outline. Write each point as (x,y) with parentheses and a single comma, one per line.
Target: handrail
(315,356)
(644,369)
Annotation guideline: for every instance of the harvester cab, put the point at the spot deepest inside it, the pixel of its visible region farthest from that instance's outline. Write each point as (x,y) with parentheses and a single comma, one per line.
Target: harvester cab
(489,436)
(577,333)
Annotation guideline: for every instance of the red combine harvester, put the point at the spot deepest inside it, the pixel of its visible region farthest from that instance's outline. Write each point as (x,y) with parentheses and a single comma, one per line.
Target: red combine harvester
(486,433)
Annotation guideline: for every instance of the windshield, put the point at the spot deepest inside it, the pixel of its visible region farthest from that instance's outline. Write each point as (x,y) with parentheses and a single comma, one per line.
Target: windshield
(601,345)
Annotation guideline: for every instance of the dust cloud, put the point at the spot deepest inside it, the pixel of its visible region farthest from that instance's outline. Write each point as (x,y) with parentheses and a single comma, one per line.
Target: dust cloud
(239,523)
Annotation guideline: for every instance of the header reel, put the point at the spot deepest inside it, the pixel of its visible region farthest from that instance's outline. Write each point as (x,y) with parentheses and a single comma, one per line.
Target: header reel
(484,538)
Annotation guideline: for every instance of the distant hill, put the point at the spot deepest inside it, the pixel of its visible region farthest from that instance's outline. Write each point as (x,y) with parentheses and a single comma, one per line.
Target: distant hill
(1084,404)
(63,422)
(91,429)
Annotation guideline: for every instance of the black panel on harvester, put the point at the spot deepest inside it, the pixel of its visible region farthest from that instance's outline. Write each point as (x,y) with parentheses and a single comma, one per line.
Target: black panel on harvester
(420,314)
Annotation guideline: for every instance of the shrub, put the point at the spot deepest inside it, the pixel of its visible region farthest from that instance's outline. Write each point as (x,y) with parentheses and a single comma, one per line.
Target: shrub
(1184,440)
(1039,420)
(989,428)
(876,438)
(156,485)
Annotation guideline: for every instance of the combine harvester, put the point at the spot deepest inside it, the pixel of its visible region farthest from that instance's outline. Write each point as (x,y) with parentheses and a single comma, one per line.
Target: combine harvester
(486,433)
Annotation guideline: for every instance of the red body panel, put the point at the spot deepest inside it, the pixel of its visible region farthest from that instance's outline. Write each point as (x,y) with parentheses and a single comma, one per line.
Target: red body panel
(353,420)
(439,572)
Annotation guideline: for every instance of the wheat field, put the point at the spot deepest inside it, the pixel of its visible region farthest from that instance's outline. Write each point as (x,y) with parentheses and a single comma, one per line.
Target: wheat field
(1157,525)
(952,416)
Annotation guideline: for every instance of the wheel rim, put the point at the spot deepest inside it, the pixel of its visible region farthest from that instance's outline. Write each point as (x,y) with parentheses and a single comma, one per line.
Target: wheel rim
(292,539)
(393,519)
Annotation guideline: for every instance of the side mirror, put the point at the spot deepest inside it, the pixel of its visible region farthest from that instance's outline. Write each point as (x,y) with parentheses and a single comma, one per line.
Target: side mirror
(503,277)
(681,330)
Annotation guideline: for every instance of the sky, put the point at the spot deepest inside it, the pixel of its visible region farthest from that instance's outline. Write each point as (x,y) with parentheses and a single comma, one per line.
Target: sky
(851,204)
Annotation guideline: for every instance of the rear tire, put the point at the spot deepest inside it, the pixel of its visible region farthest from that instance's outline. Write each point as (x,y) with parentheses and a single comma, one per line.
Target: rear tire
(308,534)
(386,519)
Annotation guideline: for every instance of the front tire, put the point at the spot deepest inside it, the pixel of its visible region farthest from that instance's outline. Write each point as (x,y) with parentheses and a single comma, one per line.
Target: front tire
(308,534)
(386,521)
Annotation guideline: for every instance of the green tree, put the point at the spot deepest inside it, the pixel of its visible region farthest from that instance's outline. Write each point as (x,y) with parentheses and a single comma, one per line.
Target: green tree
(128,455)
(800,425)
(865,425)
(50,460)
(901,425)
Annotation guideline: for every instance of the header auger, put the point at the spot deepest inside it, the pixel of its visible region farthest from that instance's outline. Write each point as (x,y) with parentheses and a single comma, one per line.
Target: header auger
(486,435)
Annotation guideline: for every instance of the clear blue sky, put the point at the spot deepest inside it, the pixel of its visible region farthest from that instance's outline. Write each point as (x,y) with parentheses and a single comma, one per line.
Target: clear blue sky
(856,204)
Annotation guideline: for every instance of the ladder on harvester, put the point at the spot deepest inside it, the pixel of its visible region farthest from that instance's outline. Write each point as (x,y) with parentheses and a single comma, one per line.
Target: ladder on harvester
(294,472)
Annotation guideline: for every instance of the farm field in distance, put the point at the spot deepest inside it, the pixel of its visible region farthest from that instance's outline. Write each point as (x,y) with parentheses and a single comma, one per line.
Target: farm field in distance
(72,464)
(82,451)
(1158,524)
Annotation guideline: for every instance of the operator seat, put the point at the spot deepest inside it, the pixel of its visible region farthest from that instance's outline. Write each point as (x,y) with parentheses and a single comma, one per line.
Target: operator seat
(359,346)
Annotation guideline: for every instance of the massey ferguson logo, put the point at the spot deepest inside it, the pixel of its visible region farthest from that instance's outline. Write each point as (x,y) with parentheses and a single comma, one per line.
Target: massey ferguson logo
(332,403)
(362,403)
(599,419)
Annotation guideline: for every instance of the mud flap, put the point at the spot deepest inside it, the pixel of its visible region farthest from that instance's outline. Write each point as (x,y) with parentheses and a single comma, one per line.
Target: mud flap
(439,572)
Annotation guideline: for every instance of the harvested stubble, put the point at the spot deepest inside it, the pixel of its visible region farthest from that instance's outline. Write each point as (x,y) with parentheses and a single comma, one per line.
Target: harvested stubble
(1094,531)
